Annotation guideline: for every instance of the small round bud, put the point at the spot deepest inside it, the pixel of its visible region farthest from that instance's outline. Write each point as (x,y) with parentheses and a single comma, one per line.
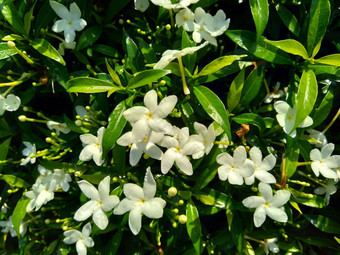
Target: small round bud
(65,228)
(139,30)
(9,78)
(87,108)
(78,117)
(162,83)
(9,191)
(174,225)
(157,27)
(11,44)
(128,21)
(48,139)
(53,134)
(168,27)
(22,118)
(78,123)
(24,52)
(182,219)
(25,108)
(9,71)
(310,196)
(121,21)
(181,202)
(57,220)
(172,191)
(34,84)
(88,67)
(115,179)
(47,221)
(175,210)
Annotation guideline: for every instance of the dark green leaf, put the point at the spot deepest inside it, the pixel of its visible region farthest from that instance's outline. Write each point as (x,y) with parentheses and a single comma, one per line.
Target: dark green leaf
(260,12)
(147,51)
(10,13)
(88,37)
(205,178)
(323,223)
(19,213)
(323,110)
(44,16)
(250,118)
(28,19)
(145,77)
(291,157)
(218,64)
(288,19)
(235,91)
(194,226)
(106,50)
(135,56)
(114,8)
(213,107)
(88,85)
(252,85)
(113,245)
(4,149)
(46,49)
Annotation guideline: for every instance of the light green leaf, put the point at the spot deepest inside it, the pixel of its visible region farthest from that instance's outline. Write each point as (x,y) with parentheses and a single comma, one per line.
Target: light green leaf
(306,96)
(135,57)
(112,73)
(288,19)
(252,85)
(250,118)
(10,13)
(19,213)
(235,91)
(321,113)
(46,49)
(88,85)
(333,60)
(323,223)
(319,14)
(219,63)
(260,12)
(5,51)
(145,77)
(291,46)
(194,226)
(28,19)
(14,181)
(88,37)
(214,107)
(291,157)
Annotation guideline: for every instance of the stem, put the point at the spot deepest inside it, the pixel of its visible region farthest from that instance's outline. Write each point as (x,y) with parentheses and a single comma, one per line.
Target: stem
(8,90)
(171,18)
(266,85)
(13,83)
(331,123)
(55,36)
(304,163)
(185,87)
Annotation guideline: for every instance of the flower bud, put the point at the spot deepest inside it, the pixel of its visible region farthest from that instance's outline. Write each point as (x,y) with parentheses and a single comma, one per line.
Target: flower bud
(181,202)
(48,139)
(172,191)
(78,123)
(22,118)
(182,219)
(168,27)
(175,210)
(11,44)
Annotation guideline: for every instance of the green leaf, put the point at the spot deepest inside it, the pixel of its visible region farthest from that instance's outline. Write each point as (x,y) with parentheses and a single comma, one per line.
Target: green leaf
(5,51)
(323,223)
(235,91)
(145,77)
(291,157)
(114,8)
(320,11)
(194,226)
(219,63)
(106,50)
(258,47)
(250,118)
(323,110)
(112,73)
(10,13)
(189,60)
(333,60)
(14,181)
(135,57)
(28,19)
(147,51)
(4,149)
(115,127)
(88,37)
(306,96)
(291,46)
(44,17)
(213,107)
(113,245)
(19,213)
(307,199)
(252,85)
(260,12)
(46,49)
(205,178)
(88,85)
(288,19)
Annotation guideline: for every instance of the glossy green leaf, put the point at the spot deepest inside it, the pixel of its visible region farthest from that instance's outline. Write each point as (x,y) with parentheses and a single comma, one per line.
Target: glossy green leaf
(44,17)
(19,213)
(250,118)
(288,19)
(323,223)
(135,57)
(291,157)
(320,12)
(290,46)
(10,13)
(145,77)
(106,50)
(14,181)
(333,60)
(260,12)
(218,64)
(147,51)
(28,19)
(113,245)
(214,107)
(46,49)
(115,126)
(258,47)
(252,85)
(189,60)
(88,85)
(235,91)
(5,51)
(309,200)
(194,226)
(321,113)
(306,96)
(205,178)
(113,73)
(4,146)
(88,37)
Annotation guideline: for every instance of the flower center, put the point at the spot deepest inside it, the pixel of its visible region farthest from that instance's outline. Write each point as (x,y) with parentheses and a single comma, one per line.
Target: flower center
(69,23)
(145,139)
(266,204)
(177,149)
(149,115)
(232,167)
(290,117)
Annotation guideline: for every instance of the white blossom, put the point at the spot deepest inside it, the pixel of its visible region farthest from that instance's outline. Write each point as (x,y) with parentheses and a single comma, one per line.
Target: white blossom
(92,147)
(267,204)
(277,93)
(82,239)
(216,25)
(319,137)
(140,201)
(40,195)
(30,151)
(236,168)
(141,5)
(328,189)
(324,163)
(12,103)
(58,127)
(101,201)
(286,117)
(206,136)
(200,32)
(185,19)
(8,227)
(70,20)
(270,245)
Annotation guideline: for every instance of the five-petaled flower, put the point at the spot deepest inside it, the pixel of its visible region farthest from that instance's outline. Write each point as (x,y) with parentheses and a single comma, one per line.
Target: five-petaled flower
(82,239)
(92,147)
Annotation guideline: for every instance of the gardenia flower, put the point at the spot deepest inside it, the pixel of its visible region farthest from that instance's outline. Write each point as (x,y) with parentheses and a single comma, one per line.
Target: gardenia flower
(319,137)
(140,201)
(100,202)
(29,152)
(141,5)
(286,118)
(328,189)
(235,168)
(170,55)
(70,20)
(92,147)
(261,167)
(58,127)
(206,136)
(82,239)
(324,163)
(267,204)
(8,227)
(152,114)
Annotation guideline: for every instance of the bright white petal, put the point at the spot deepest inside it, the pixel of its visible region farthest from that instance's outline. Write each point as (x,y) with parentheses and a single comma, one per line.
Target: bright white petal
(150,100)
(266,191)
(166,106)
(81,248)
(59,25)
(280,198)
(88,139)
(75,11)
(253,201)
(86,231)
(133,191)
(149,187)
(135,220)
(60,10)
(259,216)
(168,160)
(277,214)
(224,159)
(89,190)
(104,187)
(315,155)
(100,218)
(86,210)
(223,172)
(135,113)
(235,178)
(109,203)
(265,177)
(152,209)
(124,206)
(184,164)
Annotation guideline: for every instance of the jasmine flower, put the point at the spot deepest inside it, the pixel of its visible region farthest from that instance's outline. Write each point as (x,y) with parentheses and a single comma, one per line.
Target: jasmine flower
(82,239)
(29,152)
(58,127)
(328,189)
(92,147)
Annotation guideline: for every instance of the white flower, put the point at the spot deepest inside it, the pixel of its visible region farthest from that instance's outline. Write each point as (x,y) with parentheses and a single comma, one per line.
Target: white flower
(8,227)
(140,201)
(178,150)
(235,168)
(152,114)
(29,152)
(224,142)
(40,195)
(286,118)
(12,103)
(141,5)
(82,239)
(62,179)
(92,147)
(328,189)
(66,45)
(200,32)
(324,163)
(277,93)
(206,136)
(2,106)
(70,20)
(319,137)
(270,245)
(143,140)
(4,206)
(100,202)
(170,55)
(185,18)
(58,127)
(267,204)
(216,25)
(167,4)
(261,167)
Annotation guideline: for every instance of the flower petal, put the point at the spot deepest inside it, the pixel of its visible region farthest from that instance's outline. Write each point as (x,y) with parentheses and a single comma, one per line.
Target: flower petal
(235,178)
(60,10)
(259,216)
(81,248)
(149,187)
(266,191)
(135,113)
(276,214)
(166,106)
(86,231)
(253,201)
(223,172)
(224,159)
(100,218)
(104,187)
(280,198)
(109,203)
(135,220)
(168,160)
(136,152)
(86,210)
(184,164)
(150,100)
(74,11)
(315,155)
(152,209)
(124,206)
(327,150)
(88,139)
(89,190)
(133,191)
(265,177)
(240,155)
(256,155)
(59,25)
